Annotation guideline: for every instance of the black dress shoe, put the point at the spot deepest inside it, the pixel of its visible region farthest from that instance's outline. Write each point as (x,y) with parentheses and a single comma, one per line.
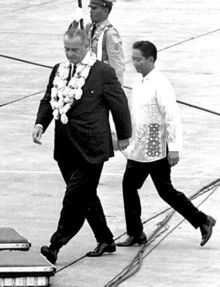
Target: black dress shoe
(101,248)
(134,239)
(49,253)
(206,230)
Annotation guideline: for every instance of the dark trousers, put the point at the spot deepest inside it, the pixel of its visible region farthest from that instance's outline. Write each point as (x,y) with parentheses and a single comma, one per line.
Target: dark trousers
(80,202)
(134,177)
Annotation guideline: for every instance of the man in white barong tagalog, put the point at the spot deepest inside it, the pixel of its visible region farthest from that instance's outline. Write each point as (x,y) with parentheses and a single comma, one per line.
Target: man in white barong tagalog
(154,147)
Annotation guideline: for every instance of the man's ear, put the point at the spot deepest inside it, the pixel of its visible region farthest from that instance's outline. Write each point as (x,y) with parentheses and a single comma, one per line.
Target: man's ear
(106,11)
(151,59)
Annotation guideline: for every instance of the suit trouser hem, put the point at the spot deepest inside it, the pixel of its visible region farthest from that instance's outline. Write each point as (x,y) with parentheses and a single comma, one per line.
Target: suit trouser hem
(80,202)
(134,177)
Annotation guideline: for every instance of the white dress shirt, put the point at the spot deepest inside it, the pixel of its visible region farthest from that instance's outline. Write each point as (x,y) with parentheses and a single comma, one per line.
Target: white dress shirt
(155,119)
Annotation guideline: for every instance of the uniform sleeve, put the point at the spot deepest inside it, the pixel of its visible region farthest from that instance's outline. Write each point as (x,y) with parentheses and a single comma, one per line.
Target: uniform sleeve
(169,107)
(45,112)
(117,103)
(115,53)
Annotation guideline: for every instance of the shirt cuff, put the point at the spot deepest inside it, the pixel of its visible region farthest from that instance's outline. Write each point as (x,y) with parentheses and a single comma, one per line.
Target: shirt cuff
(174,146)
(39,125)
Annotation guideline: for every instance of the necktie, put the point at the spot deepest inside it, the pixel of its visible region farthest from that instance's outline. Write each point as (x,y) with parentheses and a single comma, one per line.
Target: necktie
(72,70)
(93,30)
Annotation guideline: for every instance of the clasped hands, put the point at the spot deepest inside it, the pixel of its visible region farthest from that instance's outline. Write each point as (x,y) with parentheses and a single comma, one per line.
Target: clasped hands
(119,144)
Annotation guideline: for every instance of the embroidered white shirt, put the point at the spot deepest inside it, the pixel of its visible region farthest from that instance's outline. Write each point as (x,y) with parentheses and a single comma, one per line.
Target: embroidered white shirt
(155,119)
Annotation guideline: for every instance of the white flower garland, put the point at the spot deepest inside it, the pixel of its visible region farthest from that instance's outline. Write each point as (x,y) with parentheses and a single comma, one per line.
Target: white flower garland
(62,95)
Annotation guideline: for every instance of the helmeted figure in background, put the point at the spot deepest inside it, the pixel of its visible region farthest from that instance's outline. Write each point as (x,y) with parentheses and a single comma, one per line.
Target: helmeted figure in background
(104,39)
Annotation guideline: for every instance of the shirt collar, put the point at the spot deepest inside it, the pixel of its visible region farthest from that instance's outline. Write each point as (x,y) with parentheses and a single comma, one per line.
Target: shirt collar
(149,75)
(102,24)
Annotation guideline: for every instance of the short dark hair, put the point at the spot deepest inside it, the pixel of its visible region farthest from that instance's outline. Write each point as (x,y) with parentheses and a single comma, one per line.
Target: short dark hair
(147,48)
(74,32)
(109,7)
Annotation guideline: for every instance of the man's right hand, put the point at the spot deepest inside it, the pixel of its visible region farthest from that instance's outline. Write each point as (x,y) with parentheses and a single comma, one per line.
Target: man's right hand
(37,134)
(123,144)
(173,157)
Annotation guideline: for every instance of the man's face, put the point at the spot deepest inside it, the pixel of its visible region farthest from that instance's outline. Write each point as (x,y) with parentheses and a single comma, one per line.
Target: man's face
(75,49)
(98,14)
(141,64)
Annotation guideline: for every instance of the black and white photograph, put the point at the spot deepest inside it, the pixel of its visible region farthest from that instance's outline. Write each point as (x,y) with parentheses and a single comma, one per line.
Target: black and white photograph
(110,143)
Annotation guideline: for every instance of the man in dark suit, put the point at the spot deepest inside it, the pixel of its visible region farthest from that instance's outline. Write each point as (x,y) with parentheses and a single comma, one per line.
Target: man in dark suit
(80,103)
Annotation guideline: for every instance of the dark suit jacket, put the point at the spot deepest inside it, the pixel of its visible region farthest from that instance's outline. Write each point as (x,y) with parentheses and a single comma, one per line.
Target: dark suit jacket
(87,133)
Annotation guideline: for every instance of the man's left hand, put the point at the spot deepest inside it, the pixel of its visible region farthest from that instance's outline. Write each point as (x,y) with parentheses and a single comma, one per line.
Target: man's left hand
(173,157)
(123,144)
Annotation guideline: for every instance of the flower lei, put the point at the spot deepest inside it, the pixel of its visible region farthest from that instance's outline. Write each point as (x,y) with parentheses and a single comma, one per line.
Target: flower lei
(62,95)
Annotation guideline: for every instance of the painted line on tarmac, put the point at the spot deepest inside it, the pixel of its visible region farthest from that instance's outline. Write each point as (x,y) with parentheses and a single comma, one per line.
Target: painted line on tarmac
(104,173)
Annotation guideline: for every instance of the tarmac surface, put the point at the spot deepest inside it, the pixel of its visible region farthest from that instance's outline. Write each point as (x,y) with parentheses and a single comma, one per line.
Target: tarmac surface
(187,34)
